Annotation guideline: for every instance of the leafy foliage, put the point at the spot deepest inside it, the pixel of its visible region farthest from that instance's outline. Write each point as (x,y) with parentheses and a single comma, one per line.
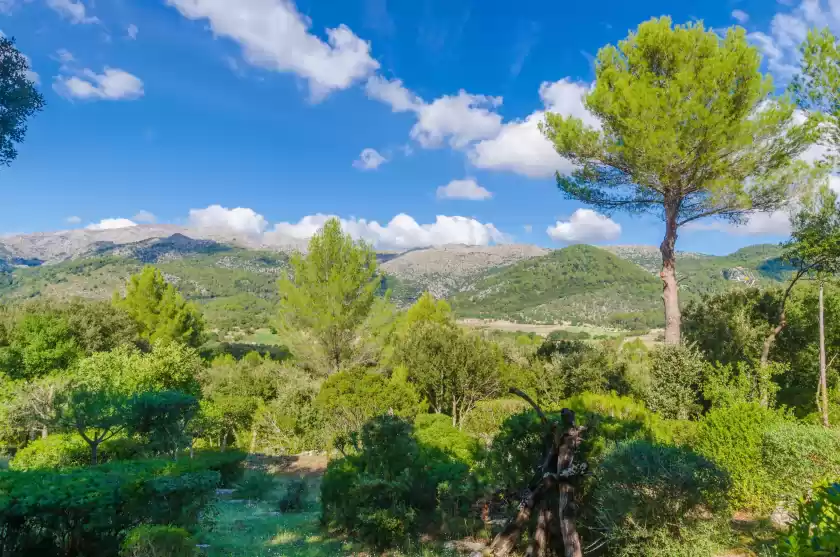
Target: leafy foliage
(158,541)
(161,311)
(62,450)
(798,456)
(676,376)
(19,99)
(817,528)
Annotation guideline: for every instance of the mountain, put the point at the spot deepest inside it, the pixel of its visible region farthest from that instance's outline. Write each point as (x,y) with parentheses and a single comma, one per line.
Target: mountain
(234,277)
(579,283)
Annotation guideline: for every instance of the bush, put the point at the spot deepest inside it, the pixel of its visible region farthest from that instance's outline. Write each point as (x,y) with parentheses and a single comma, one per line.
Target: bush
(435,431)
(732,437)
(294,496)
(676,377)
(69,450)
(485,420)
(816,531)
(389,488)
(644,492)
(256,485)
(158,541)
(229,464)
(796,456)
(87,510)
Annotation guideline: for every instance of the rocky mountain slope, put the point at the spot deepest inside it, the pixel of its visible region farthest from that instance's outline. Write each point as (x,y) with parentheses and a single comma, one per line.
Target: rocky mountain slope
(234,278)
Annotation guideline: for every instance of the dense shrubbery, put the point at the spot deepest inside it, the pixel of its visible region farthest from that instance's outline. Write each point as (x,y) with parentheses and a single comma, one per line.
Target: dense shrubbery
(643,492)
(86,511)
(70,451)
(158,541)
(390,487)
(797,456)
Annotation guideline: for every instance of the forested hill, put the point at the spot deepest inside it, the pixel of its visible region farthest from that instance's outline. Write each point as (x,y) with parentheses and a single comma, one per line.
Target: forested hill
(236,284)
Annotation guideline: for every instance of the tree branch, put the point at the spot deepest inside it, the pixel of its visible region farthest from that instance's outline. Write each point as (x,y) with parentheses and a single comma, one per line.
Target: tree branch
(529,400)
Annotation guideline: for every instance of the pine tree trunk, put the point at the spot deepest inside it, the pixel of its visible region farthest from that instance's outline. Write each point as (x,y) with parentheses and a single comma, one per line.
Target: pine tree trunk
(670,294)
(93,455)
(823,381)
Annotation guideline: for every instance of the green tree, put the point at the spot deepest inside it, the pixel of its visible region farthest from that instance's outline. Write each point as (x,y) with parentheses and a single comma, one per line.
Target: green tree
(39,344)
(689,128)
(453,369)
(160,310)
(814,249)
(164,418)
(19,100)
(328,303)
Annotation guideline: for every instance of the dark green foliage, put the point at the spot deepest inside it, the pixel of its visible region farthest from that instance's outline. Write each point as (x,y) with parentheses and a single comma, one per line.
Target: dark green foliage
(816,531)
(390,488)
(732,437)
(19,99)
(228,464)
(87,511)
(642,490)
(163,418)
(59,451)
(150,540)
(796,456)
(676,379)
(255,485)
(294,496)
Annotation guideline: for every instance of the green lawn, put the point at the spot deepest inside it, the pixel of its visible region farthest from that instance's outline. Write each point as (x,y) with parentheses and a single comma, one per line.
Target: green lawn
(262,336)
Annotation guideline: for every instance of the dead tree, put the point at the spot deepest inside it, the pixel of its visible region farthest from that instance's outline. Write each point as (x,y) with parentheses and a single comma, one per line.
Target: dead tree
(551,494)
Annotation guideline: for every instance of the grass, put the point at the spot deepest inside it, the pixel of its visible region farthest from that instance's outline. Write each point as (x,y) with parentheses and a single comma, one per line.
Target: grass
(262,336)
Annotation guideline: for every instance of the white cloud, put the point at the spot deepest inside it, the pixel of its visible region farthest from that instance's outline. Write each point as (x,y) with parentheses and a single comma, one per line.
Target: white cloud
(144,216)
(74,11)
(780,43)
(73,220)
(740,16)
(369,159)
(463,118)
(108,224)
(585,226)
(402,232)
(240,219)
(520,147)
(275,36)
(463,189)
(528,228)
(112,85)
(31,74)
(131,31)
(776,223)
(64,56)
(393,93)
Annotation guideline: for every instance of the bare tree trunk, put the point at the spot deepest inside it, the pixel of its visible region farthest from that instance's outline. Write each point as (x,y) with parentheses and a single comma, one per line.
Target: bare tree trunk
(670,293)
(823,382)
(224,441)
(454,412)
(253,440)
(539,545)
(44,432)
(93,456)
(771,338)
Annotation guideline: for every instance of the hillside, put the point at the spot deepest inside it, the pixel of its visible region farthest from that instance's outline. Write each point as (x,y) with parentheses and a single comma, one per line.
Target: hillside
(236,284)
(578,284)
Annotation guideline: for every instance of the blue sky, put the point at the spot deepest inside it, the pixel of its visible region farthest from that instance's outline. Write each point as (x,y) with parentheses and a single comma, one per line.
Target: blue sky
(173,106)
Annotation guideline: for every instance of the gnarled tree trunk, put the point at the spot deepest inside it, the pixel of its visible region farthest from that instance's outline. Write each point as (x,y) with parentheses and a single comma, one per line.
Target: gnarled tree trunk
(670,293)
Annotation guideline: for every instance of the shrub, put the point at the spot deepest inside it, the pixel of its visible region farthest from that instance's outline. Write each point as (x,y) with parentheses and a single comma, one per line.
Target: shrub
(732,437)
(676,375)
(294,496)
(643,492)
(256,485)
(229,464)
(69,450)
(436,431)
(387,490)
(816,531)
(86,511)
(158,541)
(728,384)
(796,456)
(486,419)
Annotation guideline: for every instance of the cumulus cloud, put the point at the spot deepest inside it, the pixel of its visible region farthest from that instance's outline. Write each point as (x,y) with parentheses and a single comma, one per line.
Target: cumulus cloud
(392,93)
(111,85)
(776,223)
(402,232)
(740,16)
(520,147)
(275,36)
(461,118)
(73,220)
(369,159)
(463,189)
(585,226)
(144,216)
(73,11)
(240,220)
(108,224)
(131,31)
